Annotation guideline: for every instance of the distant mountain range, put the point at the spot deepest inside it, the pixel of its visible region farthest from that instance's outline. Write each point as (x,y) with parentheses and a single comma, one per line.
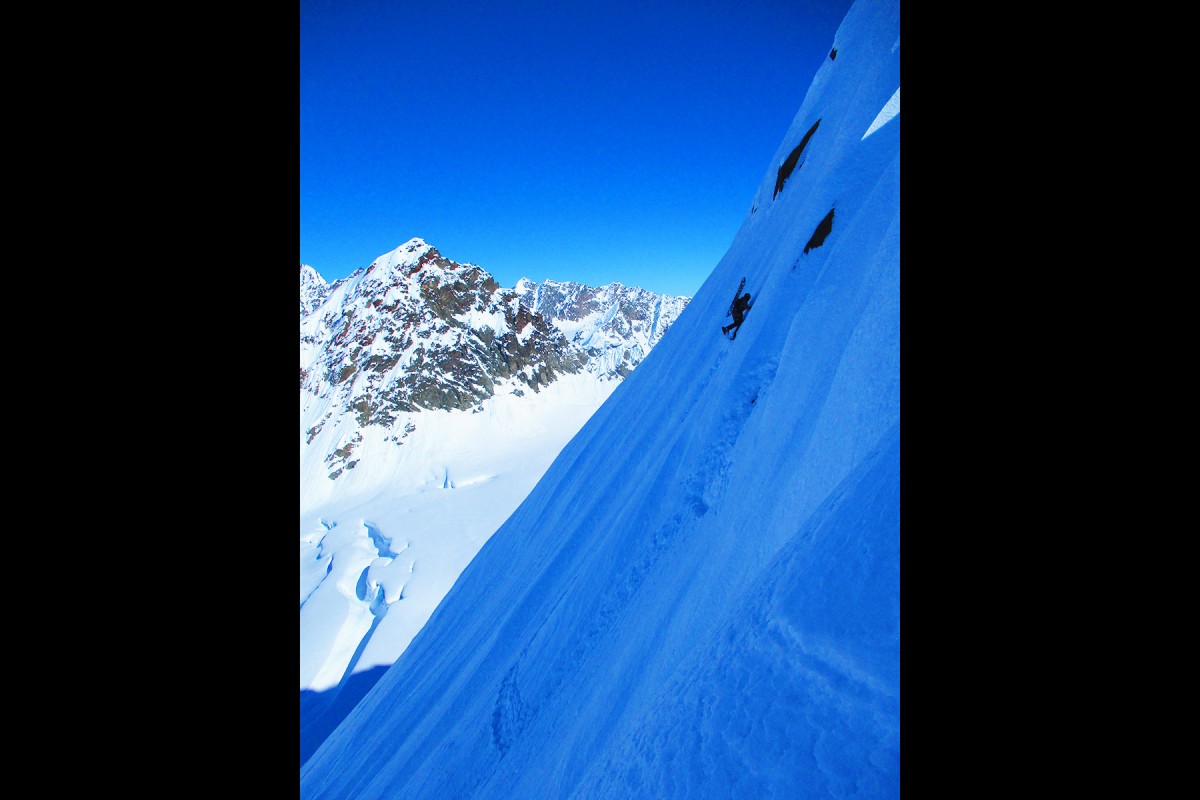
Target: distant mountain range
(615,326)
(416,331)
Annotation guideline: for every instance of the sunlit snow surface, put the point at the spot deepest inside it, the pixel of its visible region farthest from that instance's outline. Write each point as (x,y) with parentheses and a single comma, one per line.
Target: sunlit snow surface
(890,109)
(700,597)
(381,546)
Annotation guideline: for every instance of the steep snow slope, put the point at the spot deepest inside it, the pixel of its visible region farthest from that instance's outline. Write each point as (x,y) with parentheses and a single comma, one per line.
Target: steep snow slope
(700,598)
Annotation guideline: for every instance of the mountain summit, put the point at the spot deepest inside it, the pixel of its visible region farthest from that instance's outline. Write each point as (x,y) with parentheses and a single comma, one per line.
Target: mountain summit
(701,596)
(313,289)
(416,331)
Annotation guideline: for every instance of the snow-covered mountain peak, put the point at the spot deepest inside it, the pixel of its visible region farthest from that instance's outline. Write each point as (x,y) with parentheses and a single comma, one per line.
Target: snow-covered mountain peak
(416,317)
(615,325)
(313,289)
(416,331)
(408,254)
(418,271)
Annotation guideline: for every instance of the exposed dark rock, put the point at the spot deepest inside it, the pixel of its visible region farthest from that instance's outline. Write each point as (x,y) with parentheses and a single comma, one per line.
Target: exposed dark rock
(416,331)
(824,227)
(792,161)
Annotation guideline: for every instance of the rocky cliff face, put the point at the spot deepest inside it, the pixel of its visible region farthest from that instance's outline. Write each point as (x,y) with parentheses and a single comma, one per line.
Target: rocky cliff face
(416,331)
(616,326)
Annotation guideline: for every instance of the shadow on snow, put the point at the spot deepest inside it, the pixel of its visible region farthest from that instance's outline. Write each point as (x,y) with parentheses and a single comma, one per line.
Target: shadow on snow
(321,712)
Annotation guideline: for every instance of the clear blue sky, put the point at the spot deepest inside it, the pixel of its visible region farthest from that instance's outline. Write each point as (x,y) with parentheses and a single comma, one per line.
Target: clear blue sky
(586,141)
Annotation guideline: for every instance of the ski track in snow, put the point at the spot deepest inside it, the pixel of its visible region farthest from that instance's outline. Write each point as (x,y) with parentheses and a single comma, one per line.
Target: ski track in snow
(519,700)
(759,692)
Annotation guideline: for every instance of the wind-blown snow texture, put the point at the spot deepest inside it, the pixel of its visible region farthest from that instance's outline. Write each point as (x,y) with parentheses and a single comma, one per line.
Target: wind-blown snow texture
(700,598)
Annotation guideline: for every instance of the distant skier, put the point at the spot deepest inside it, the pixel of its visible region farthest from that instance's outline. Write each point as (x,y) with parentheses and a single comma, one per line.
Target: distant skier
(741,305)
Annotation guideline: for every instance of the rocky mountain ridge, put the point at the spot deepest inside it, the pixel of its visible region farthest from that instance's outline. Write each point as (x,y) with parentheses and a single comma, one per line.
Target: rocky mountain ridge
(615,325)
(416,331)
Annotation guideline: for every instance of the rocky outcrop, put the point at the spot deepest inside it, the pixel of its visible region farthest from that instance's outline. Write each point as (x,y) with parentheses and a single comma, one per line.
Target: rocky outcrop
(616,326)
(418,331)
